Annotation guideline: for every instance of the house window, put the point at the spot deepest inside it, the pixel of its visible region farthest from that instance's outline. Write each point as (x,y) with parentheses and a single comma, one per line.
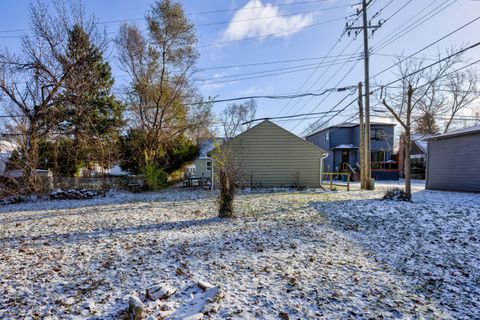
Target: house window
(209,166)
(377,134)
(327,136)
(378,156)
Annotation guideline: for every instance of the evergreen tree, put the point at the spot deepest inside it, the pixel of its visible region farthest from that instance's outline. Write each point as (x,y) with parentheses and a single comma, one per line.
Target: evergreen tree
(88,115)
(426,124)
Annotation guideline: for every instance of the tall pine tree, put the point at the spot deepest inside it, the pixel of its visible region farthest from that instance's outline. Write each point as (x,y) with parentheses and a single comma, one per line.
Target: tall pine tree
(88,116)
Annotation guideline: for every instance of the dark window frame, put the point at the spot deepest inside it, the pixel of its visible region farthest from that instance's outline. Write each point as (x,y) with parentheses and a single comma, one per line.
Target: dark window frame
(377,134)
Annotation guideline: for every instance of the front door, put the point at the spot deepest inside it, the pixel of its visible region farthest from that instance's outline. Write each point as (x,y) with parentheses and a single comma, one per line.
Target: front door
(345,156)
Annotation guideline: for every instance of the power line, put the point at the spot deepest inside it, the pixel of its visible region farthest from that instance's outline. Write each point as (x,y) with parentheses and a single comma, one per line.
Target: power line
(210,12)
(271,34)
(271,17)
(318,79)
(409,75)
(437,62)
(261,74)
(253,64)
(288,117)
(326,82)
(336,114)
(404,24)
(348,28)
(397,11)
(414,25)
(430,45)
(256,7)
(314,71)
(239,20)
(325,98)
(275,97)
(311,74)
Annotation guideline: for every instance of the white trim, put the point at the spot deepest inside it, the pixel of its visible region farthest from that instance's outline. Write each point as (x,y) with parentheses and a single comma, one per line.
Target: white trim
(321,167)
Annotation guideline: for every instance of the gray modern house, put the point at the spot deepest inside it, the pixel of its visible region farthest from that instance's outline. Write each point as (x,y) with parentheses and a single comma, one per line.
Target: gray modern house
(342,142)
(453,161)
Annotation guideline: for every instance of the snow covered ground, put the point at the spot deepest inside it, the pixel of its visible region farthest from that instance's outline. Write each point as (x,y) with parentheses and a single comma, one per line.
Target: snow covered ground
(297,255)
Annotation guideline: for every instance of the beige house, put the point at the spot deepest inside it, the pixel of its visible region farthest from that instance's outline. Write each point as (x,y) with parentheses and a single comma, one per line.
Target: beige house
(271,156)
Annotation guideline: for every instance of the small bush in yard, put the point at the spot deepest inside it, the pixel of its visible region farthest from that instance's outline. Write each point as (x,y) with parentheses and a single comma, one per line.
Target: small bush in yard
(155,177)
(396,194)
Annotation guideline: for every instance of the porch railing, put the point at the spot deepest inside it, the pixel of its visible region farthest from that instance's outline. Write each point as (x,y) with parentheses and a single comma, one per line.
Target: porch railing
(384,165)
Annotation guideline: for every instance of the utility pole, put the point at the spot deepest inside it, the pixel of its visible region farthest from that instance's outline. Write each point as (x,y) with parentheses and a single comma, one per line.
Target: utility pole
(367,161)
(362,137)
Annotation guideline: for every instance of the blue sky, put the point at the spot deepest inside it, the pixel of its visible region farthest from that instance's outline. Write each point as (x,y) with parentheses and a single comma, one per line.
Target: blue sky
(282,31)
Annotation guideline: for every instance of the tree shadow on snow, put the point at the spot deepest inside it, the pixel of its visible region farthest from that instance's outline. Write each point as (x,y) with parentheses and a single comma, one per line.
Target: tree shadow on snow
(167,196)
(100,233)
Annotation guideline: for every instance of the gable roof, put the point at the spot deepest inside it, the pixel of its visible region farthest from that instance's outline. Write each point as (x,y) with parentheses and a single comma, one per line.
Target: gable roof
(350,125)
(455,133)
(268,122)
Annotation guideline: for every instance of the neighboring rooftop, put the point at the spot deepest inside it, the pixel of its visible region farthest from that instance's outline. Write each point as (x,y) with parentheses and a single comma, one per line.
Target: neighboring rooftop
(421,140)
(207,145)
(6,146)
(351,125)
(461,132)
(345,146)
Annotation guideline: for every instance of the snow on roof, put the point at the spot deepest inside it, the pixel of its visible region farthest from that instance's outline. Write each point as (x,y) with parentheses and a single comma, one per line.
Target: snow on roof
(345,146)
(421,140)
(461,132)
(207,145)
(6,146)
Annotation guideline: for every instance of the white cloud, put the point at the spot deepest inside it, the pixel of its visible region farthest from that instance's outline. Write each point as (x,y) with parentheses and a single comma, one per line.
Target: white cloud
(263,21)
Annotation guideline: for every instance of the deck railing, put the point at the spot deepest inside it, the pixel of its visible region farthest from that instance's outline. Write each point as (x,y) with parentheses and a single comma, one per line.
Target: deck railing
(385,166)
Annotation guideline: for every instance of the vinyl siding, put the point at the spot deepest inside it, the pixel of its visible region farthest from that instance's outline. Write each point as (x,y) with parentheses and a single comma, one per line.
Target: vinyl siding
(319,139)
(201,168)
(454,163)
(271,157)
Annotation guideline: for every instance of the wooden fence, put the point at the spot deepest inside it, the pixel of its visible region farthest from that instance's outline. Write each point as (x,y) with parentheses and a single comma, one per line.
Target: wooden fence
(331,183)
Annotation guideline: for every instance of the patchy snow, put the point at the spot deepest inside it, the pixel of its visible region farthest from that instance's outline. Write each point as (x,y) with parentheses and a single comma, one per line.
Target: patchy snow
(433,242)
(345,146)
(306,254)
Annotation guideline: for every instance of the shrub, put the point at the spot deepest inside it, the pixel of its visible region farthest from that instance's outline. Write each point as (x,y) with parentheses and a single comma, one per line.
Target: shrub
(396,194)
(155,178)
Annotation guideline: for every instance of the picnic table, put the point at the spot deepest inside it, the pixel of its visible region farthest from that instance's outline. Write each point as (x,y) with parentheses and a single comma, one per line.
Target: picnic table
(196,181)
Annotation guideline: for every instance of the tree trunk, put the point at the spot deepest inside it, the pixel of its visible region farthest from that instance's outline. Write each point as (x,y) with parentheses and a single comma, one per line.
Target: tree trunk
(30,161)
(226,197)
(408,144)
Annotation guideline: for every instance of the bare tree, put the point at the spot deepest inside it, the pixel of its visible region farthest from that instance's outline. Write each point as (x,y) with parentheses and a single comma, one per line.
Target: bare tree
(237,117)
(463,89)
(32,81)
(227,166)
(228,172)
(417,83)
(163,101)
